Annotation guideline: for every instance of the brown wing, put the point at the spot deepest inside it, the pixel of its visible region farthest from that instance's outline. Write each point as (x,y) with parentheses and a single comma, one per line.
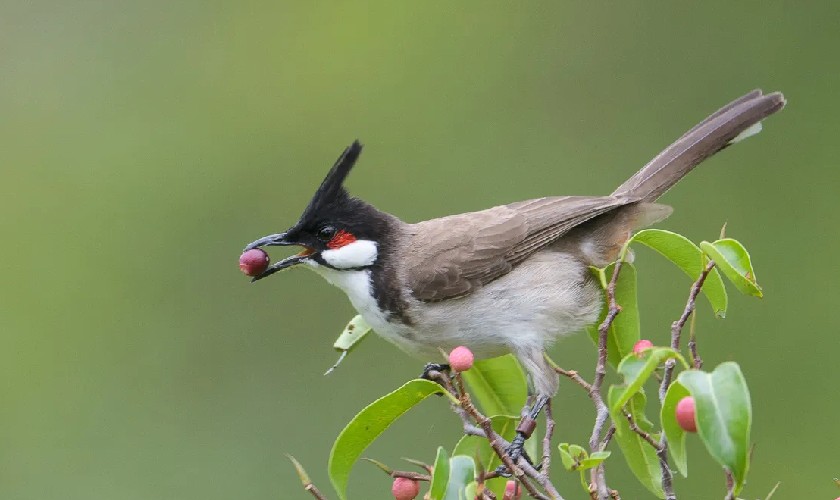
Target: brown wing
(452,256)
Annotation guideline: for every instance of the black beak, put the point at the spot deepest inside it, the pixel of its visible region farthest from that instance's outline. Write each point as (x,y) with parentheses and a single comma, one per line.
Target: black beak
(277,240)
(272,240)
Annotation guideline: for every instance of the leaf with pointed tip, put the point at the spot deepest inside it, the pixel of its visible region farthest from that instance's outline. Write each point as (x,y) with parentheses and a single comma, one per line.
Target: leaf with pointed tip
(687,256)
(636,369)
(673,431)
(638,453)
(498,384)
(479,449)
(356,329)
(624,330)
(724,415)
(368,424)
(440,475)
(733,260)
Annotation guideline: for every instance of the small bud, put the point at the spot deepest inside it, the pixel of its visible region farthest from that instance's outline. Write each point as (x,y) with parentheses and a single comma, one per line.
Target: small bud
(405,489)
(461,359)
(512,491)
(642,346)
(686,415)
(253,262)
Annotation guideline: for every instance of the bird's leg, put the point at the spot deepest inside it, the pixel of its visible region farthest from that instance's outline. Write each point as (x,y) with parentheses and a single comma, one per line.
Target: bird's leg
(523,431)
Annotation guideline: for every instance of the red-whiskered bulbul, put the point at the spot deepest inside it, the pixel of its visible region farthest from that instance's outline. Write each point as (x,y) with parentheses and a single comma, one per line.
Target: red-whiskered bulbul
(512,278)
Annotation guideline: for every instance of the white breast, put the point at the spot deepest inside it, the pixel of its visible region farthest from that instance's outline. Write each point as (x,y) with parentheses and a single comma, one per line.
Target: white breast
(357,286)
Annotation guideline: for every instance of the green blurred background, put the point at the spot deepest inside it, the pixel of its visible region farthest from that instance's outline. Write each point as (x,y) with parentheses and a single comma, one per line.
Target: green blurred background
(144,143)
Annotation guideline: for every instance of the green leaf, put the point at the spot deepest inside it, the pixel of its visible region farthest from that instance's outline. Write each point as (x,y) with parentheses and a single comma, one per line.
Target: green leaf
(638,453)
(499,385)
(734,261)
(368,424)
(624,331)
(354,332)
(440,475)
(687,256)
(575,457)
(673,431)
(636,369)
(566,457)
(593,460)
(479,448)
(724,415)
(461,475)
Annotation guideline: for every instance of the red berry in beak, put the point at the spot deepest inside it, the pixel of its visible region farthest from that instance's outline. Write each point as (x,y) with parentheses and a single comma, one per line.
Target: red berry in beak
(254,262)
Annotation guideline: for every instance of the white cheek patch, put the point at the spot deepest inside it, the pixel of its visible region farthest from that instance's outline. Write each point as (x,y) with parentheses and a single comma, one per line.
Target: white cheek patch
(360,253)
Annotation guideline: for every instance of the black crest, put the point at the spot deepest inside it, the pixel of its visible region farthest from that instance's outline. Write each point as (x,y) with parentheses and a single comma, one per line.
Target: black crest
(332,189)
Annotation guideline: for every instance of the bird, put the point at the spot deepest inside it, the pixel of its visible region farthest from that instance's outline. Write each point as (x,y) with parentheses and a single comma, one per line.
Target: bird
(513,278)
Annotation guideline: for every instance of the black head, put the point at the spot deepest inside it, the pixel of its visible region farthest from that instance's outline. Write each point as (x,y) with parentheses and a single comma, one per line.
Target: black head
(332,221)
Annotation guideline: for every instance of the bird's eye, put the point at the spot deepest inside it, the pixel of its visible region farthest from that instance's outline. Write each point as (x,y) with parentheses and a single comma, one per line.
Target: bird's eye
(326,233)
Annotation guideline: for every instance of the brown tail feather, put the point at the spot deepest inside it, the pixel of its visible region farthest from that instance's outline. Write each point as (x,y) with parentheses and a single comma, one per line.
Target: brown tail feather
(707,138)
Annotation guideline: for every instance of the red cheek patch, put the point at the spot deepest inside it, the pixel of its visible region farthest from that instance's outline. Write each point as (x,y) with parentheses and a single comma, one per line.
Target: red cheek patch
(342,238)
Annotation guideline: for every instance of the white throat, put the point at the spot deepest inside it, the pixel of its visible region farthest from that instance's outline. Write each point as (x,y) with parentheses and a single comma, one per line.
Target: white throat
(360,253)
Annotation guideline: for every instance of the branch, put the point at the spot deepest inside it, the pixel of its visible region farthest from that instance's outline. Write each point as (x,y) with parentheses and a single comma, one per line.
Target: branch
(730,485)
(522,469)
(697,362)
(607,437)
(416,476)
(677,326)
(304,478)
(572,374)
(601,411)
(644,435)
(549,432)
(676,333)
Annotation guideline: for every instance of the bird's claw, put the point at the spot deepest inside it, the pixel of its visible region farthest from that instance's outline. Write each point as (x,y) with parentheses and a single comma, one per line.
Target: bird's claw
(514,451)
(433,367)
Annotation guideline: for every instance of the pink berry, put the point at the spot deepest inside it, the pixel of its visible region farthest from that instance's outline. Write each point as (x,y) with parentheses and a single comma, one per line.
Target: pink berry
(642,346)
(461,359)
(253,262)
(405,489)
(512,491)
(686,415)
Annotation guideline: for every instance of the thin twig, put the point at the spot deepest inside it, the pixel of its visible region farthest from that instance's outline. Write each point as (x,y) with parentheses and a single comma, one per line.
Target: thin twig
(496,443)
(667,474)
(667,376)
(730,485)
(607,437)
(644,435)
(677,326)
(572,374)
(416,476)
(601,412)
(696,360)
(312,489)
(469,413)
(549,432)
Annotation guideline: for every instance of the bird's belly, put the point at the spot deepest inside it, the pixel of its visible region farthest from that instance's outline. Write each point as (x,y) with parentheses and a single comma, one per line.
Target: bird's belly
(550,295)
